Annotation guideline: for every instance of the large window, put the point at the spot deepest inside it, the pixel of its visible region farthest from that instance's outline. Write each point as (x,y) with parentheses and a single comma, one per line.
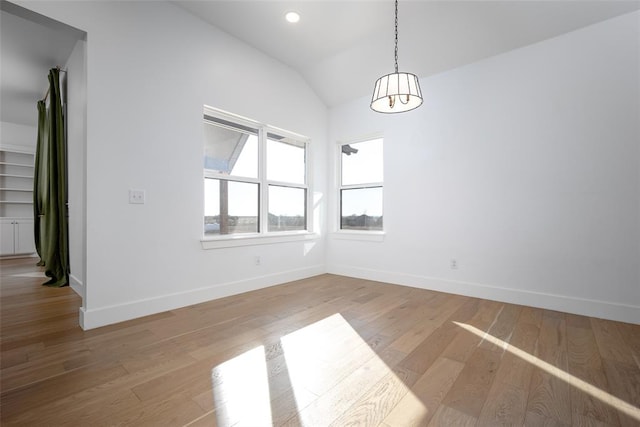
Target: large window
(255,177)
(361,185)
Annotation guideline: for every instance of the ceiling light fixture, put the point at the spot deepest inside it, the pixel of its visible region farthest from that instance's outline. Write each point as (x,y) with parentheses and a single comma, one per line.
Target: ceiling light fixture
(397,92)
(292,17)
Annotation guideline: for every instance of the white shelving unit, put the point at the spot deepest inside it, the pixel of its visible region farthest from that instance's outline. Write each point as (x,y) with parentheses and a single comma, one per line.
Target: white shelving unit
(16,202)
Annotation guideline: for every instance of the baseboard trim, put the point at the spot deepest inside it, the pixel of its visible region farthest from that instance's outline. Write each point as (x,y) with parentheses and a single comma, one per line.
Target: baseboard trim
(77,285)
(574,305)
(95,318)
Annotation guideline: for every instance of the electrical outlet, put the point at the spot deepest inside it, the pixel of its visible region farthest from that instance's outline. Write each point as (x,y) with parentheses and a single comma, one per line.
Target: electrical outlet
(454,264)
(136,197)
(257,260)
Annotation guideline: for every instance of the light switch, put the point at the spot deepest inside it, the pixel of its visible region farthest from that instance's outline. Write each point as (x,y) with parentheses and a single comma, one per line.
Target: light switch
(136,196)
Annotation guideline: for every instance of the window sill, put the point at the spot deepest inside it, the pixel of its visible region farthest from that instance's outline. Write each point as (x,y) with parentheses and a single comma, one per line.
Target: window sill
(256,239)
(368,236)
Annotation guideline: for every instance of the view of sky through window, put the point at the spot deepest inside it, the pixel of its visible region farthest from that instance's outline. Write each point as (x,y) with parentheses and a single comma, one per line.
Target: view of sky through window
(285,163)
(362,175)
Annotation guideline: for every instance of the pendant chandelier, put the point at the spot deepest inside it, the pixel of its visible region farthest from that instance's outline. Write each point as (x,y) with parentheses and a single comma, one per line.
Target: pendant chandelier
(396,92)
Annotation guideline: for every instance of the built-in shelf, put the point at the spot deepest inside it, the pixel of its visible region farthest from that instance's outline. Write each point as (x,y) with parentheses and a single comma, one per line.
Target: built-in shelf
(9,175)
(20,165)
(16,200)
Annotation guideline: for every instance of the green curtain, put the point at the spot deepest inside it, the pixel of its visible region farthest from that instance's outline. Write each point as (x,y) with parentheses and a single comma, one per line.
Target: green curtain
(53,232)
(39,189)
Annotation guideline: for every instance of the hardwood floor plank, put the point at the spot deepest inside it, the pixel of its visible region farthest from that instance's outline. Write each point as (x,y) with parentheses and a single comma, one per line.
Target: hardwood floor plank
(549,395)
(319,351)
(505,405)
(576,321)
(419,331)
(515,369)
(610,341)
(585,363)
(99,411)
(624,383)
(446,416)
(104,397)
(506,402)
(337,400)
(176,410)
(422,356)
(372,408)
(64,359)
(207,420)
(469,392)
(464,344)
(193,377)
(502,326)
(419,405)
(50,389)
(631,335)
(19,355)
(535,418)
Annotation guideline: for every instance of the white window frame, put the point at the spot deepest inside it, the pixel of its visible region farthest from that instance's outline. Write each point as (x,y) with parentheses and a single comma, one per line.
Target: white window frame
(263,236)
(339,233)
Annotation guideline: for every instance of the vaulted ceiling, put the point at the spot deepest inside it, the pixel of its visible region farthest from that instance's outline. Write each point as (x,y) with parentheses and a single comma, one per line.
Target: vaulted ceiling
(339,47)
(342,47)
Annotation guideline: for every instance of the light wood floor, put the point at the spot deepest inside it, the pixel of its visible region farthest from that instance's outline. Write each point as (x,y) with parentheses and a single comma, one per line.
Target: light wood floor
(324,351)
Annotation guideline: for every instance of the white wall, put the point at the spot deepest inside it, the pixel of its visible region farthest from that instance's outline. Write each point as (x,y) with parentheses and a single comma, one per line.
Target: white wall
(150,69)
(76,85)
(18,136)
(524,168)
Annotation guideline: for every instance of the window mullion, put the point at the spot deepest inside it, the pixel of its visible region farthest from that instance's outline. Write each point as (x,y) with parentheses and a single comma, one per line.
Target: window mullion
(366,185)
(286,184)
(264,187)
(309,197)
(231,178)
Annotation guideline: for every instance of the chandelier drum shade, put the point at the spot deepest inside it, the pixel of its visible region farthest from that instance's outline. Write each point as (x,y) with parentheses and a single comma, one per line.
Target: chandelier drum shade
(396,92)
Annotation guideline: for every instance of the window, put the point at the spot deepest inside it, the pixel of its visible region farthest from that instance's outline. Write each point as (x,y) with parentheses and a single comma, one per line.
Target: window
(361,182)
(255,177)
(286,177)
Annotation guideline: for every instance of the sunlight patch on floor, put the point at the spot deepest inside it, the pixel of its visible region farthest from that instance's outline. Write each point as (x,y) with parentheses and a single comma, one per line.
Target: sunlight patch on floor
(572,380)
(330,359)
(327,368)
(241,390)
(35,274)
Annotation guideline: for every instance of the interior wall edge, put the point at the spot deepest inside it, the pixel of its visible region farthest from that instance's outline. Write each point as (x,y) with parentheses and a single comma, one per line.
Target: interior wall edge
(95,318)
(563,303)
(77,285)
(44,20)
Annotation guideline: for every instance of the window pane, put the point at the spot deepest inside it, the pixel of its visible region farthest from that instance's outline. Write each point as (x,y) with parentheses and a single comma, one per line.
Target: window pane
(230,151)
(362,162)
(361,209)
(230,207)
(285,160)
(287,208)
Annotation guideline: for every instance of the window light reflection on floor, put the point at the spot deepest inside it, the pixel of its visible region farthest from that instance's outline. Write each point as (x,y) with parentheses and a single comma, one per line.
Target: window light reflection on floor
(330,359)
(329,367)
(241,390)
(572,380)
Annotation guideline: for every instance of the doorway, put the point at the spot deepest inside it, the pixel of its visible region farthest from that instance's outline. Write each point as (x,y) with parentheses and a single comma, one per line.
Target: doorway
(32,44)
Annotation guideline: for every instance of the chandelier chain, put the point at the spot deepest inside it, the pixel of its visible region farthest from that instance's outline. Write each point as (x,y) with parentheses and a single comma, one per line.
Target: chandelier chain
(396,49)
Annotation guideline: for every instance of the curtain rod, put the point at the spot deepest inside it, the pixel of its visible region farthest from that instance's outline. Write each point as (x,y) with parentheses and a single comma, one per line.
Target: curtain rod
(46,95)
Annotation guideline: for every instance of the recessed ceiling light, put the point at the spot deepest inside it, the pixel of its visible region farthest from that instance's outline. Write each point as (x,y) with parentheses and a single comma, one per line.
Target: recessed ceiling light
(292,17)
